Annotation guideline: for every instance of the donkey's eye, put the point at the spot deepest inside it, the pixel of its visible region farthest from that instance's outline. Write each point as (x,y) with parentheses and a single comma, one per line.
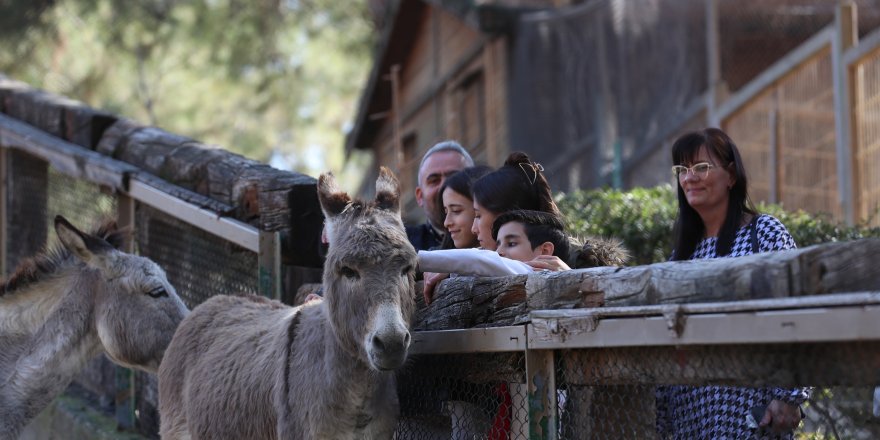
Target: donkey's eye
(158,292)
(349,272)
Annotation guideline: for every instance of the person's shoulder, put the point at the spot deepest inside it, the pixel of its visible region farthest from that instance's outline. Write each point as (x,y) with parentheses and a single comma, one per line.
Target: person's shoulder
(419,236)
(765,221)
(773,234)
(416,229)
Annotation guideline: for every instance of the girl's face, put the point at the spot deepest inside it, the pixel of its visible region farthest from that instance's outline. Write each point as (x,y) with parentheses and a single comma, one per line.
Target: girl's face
(482,228)
(459,219)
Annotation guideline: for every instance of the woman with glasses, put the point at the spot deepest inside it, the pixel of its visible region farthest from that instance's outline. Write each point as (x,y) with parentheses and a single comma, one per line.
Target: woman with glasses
(717,219)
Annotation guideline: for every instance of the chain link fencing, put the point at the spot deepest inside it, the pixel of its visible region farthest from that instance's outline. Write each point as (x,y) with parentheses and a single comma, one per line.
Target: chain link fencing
(614,393)
(464,396)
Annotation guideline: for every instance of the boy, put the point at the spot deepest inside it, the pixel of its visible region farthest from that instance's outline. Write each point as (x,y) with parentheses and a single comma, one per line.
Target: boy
(530,235)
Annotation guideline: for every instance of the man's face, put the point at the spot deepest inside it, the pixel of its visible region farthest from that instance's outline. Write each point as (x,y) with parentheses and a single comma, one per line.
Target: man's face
(434,171)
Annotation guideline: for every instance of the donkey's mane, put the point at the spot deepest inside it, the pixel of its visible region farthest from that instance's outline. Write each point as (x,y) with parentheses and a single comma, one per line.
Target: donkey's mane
(56,257)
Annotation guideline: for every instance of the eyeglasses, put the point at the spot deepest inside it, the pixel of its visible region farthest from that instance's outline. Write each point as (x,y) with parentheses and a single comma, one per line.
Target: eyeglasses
(700,170)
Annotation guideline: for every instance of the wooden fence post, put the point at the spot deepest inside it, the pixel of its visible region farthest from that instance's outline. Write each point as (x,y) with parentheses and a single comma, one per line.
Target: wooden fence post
(845,37)
(269,277)
(713,59)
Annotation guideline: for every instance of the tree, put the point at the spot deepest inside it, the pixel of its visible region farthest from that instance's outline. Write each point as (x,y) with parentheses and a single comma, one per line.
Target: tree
(254,76)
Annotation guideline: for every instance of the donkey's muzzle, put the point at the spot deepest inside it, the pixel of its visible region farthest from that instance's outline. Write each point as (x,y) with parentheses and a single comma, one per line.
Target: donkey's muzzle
(388,350)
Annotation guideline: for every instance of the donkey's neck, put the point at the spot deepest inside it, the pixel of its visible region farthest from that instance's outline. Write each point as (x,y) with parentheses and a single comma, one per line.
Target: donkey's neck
(47,345)
(24,312)
(332,378)
(365,396)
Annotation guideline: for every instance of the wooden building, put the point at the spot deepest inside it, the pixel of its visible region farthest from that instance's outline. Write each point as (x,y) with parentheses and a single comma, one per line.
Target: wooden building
(595,90)
(440,73)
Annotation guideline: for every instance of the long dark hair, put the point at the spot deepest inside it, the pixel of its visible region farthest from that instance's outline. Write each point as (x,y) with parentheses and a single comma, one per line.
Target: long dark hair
(519,184)
(689,228)
(460,182)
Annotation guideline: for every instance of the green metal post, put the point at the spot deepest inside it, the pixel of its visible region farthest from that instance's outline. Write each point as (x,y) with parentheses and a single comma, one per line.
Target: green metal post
(270,264)
(541,377)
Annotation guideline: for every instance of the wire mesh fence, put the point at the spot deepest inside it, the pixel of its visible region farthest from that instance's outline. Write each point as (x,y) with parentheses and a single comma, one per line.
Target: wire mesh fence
(36,194)
(198,264)
(466,396)
(705,391)
(603,78)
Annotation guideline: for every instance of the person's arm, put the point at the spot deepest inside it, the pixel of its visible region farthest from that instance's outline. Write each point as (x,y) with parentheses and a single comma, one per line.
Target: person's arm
(784,413)
(477,262)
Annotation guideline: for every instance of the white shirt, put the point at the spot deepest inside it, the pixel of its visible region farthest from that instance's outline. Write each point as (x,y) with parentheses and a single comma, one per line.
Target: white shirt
(478,262)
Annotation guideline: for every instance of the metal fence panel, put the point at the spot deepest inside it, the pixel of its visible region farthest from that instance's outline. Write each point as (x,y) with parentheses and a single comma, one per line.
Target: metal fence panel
(612,392)
(26,207)
(468,396)
(198,264)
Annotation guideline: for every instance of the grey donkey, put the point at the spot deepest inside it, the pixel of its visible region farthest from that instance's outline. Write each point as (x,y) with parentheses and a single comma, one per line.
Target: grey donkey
(253,368)
(63,308)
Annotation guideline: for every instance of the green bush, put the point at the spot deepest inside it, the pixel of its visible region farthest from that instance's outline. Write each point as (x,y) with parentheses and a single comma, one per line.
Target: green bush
(643,217)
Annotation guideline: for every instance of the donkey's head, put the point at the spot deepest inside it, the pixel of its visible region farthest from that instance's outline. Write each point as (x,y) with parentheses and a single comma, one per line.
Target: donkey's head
(136,310)
(369,273)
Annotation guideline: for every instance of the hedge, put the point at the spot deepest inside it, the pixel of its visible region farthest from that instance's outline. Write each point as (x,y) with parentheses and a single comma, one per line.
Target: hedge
(642,218)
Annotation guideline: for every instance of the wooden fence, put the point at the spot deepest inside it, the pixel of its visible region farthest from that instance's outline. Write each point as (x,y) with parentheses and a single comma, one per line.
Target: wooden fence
(807,126)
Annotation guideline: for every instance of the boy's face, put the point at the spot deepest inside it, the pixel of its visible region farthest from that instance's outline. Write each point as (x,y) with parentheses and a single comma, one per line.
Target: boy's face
(514,244)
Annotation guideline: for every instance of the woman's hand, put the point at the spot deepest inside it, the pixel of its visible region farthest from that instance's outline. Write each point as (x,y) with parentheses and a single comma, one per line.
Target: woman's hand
(431,281)
(781,416)
(548,262)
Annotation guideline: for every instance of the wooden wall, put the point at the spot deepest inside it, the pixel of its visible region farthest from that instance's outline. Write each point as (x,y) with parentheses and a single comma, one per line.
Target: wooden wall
(452,85)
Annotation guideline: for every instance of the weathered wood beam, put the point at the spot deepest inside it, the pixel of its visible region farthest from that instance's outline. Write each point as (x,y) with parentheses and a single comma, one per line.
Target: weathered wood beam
(465,302)
(64,156)
(207,176)
(59,116)
(255,192)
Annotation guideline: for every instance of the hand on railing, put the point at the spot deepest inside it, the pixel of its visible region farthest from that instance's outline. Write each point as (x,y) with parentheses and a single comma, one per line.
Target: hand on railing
(781,417)
(431,281)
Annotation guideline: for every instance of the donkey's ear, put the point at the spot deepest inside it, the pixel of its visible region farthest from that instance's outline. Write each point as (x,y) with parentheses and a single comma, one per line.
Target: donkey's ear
(333,200)
(84,246)
(387,191)
(115,236)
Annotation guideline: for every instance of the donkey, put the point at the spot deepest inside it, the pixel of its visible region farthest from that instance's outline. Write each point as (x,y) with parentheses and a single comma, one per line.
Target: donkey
(249,367)
(63,308)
